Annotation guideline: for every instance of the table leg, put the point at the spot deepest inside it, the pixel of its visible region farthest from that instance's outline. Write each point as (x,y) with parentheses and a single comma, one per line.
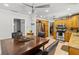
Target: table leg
(43,47)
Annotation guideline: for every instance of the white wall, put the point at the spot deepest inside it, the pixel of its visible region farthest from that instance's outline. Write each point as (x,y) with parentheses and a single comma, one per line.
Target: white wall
(34,26)
(6,22)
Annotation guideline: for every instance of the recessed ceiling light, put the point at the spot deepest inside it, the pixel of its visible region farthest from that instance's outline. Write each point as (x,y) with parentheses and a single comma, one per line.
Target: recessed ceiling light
(41,16)
(6,4)
(29,12)
(70,14)
(68,9)
(46,10)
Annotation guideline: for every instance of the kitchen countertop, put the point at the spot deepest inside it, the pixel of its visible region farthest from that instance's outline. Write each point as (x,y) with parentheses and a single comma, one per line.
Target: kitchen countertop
(74,40)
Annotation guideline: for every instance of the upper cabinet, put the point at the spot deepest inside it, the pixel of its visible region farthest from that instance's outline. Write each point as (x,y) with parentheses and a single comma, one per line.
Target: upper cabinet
(75,21)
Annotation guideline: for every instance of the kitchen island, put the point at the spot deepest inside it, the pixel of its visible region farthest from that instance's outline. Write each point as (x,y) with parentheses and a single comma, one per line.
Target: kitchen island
(74,44)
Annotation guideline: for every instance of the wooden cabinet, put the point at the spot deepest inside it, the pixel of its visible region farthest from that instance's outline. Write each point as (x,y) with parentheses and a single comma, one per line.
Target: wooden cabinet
(67,36)
(57,22)
(75,21)
(73,51)
(68,24)
(45,23)
(54,35)
(46,29)
(42,26)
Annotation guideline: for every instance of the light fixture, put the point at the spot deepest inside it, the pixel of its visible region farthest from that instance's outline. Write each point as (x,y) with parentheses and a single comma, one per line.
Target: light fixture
(29,12)
(70,14)
(41,16)
(46,10)
(6,4)
(68,9)
(44,16)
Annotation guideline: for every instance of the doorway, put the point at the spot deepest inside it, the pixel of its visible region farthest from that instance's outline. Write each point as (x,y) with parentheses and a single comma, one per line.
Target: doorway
(19,25)
(51,28)
(42,26)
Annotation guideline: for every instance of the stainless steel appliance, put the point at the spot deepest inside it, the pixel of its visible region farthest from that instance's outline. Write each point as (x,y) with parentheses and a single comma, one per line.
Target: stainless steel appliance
(60,32)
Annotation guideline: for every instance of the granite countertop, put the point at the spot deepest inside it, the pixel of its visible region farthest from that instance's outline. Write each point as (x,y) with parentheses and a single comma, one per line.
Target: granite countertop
(74,40)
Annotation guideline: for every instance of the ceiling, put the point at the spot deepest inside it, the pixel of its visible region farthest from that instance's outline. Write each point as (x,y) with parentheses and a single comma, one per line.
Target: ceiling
(55,9)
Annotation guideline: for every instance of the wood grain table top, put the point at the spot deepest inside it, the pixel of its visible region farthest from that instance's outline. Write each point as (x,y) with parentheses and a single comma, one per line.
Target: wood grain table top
(12,47)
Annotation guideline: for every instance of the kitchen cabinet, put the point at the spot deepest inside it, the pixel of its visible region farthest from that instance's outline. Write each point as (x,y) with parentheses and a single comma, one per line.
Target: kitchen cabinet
(73,51)
(68,24)
(75,21)
(72,22)
(67,36)
(54,35)
(45,23)
(42,26)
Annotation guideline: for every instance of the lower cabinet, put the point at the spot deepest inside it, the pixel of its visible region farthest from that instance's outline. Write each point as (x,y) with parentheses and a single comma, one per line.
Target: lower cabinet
(54,35)
(67,36)
(73,51)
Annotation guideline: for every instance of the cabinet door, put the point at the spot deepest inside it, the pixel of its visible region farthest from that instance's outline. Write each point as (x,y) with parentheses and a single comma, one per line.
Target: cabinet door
(73,51)
(75,21)
(46,29)
(54,35)
(67,36)
(68,24)
(45,23)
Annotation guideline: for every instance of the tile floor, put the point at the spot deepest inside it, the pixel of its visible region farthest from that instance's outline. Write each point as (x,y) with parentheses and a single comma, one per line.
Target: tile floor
(50,41)
(57,50)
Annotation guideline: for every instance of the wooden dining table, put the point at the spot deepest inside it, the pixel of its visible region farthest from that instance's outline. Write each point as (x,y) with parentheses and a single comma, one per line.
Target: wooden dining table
(13,47)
